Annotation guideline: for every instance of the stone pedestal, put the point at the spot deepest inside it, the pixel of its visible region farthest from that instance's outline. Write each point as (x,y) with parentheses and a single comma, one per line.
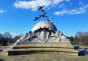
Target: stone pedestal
(44,38)
(45,48)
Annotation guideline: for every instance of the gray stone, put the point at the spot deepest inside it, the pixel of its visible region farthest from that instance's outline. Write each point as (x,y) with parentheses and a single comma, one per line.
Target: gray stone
(44,38)
(43,32)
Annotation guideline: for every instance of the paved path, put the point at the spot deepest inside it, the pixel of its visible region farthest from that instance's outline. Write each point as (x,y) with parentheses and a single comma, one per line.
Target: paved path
(43,57)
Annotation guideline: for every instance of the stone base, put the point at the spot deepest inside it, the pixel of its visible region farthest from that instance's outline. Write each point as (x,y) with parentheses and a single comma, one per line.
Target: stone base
(45,48)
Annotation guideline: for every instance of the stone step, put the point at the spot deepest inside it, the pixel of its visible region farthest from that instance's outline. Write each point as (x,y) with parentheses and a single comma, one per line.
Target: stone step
(48,45)
(45,49)
(9,53)
(64,51)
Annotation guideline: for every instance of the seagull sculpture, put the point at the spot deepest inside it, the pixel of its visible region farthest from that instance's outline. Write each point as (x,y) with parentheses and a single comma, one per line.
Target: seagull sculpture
(54,22)
(36,18)
(43,15)
(40,7)
(48,19)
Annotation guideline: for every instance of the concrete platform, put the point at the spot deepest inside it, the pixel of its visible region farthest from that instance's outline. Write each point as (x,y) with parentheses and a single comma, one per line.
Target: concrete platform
(43,57)
(43,45)
(45,48)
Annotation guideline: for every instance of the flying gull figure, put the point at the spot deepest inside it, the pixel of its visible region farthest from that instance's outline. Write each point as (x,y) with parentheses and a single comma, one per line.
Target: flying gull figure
(42,10)
(40,7)
(43,15)
(53,21)
(36,18)
(48,19)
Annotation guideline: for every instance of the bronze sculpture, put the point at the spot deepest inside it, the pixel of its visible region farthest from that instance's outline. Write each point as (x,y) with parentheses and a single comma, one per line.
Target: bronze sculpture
(43,15)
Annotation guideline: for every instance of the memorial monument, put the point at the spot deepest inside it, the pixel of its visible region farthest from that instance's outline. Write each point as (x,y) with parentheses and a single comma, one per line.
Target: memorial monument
(44,38)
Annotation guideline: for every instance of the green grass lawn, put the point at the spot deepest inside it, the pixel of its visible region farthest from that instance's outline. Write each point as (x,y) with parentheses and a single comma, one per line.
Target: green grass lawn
(83,46)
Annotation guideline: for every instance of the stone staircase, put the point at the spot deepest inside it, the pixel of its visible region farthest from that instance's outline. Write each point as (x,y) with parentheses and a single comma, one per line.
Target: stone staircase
(45,48)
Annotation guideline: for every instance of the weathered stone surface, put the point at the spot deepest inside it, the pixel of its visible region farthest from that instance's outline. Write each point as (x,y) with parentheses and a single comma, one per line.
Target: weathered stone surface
(46,32)
(45,48)
(44,24)
(44,57)
(44,38)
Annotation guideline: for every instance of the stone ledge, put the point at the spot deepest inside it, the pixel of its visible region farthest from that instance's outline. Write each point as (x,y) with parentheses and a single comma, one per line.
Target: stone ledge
(9,53)
(45,49)
(43,45)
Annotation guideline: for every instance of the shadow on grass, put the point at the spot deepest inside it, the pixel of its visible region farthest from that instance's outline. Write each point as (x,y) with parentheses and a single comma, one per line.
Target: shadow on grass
(2,60)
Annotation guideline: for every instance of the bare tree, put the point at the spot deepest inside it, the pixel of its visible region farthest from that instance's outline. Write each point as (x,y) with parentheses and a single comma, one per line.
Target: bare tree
(79,34)
(82,38)
(17,37)
(7,35)
(1,38)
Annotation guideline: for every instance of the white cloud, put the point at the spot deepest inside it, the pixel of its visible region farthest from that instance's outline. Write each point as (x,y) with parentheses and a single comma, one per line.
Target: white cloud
(59,1)
(80,3)
(33,4)
(73,11)
(2,11)
(60,6)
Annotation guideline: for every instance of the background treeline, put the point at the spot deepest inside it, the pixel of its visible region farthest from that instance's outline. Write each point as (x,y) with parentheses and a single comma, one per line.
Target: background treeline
(7,39)
(79,38)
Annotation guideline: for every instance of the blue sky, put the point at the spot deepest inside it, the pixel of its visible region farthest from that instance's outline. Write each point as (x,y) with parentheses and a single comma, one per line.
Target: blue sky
(16,16)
